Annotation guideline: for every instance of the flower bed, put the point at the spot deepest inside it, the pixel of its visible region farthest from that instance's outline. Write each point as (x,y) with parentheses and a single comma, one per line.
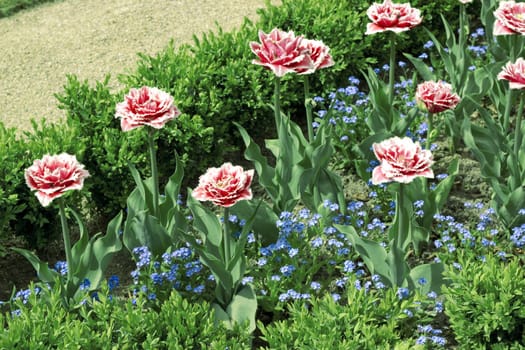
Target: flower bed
(301,262)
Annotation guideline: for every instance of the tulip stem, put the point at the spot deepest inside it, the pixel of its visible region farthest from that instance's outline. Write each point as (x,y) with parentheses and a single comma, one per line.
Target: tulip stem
(401,229)
(277,101)
(506,115)
(391,69)
(227,238)
(517,130)
(430,127)
(462,28)
(308,106)
(66,237)
(154,171)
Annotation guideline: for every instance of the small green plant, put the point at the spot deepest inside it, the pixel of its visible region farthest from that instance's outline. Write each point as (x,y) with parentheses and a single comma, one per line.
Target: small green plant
(235,302)
(372,319)
(485,303)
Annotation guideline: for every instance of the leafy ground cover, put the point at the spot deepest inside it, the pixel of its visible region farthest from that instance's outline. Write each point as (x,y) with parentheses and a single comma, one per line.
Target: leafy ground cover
(371,264)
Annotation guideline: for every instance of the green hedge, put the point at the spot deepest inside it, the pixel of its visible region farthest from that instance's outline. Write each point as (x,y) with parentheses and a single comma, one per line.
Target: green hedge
(20,211)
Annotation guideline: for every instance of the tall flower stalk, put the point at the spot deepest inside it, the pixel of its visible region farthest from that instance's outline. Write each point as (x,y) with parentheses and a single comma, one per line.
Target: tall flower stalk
(150,220)
(308,108)
(392,67)
(66,237)
(224,255)
(283,52)
(277,100)
(300,165)
(401,161)
(154,170)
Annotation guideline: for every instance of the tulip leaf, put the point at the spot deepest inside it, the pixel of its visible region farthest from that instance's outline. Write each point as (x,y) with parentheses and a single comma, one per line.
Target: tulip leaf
(207,223)
(265,172)
(241,310)
(145,230)
(263,223)
(372,253)
(44,273)
(432,275)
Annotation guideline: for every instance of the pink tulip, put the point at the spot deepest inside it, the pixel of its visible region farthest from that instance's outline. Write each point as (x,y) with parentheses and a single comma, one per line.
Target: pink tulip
(437,96)
(514,73)
(510,18)
(318,53)
(394,17)
(52,176)
(224,186)
(401,160)
(146,106)
(282,52)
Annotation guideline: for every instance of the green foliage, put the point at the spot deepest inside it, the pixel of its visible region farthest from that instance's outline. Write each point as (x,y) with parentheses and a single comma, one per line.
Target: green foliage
(10,7)
(374,320)
(301,167)
(12,174)
(485,302)
(112,323)
(90,112)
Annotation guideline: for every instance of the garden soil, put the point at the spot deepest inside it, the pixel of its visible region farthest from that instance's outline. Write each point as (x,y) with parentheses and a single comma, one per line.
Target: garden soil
(89,38)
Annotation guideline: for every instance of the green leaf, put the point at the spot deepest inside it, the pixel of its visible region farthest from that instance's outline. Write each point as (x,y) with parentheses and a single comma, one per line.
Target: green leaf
(145,230)
(205,221)
(100,252)
(372,253)
(509,209)
(421,67)
(80,246)
(171,192)
(44,273)
(264,222)
(265,172)
(397,264)
(442,190)
(481,142)
(237,262)
(241,310)
(432,273)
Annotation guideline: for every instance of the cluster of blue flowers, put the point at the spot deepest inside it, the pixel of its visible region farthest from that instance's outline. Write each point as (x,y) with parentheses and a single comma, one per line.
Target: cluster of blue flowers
(430,335)
(178,269)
